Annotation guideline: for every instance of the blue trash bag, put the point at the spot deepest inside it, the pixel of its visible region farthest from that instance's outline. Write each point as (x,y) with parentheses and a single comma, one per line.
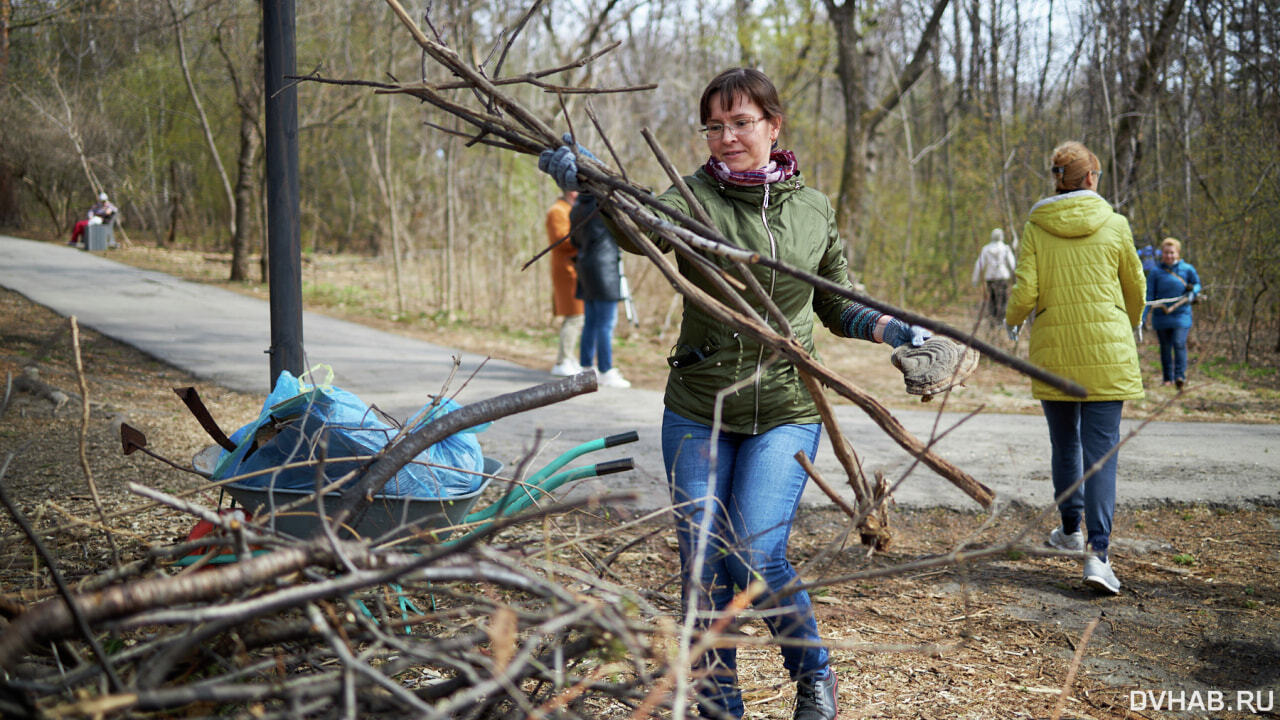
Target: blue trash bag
(296,416)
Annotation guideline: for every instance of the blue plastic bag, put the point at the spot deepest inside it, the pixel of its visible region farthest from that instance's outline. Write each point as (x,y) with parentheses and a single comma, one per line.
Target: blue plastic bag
(296,416)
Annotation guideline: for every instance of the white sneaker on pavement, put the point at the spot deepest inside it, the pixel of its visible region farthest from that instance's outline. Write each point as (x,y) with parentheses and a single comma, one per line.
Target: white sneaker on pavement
(566,368)
(612,378)
(1099,575)
(1062,541)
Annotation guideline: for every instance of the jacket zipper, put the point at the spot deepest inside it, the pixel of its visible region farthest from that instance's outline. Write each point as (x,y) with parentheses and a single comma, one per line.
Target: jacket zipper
(773,277)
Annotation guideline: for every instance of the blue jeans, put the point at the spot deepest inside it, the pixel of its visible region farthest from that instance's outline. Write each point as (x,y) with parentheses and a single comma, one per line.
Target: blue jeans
(1173,353)
(599,317)
(1081,433)
(756,493)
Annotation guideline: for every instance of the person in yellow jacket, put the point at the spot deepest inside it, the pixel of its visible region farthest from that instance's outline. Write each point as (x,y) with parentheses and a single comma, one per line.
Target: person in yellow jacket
(1079,273)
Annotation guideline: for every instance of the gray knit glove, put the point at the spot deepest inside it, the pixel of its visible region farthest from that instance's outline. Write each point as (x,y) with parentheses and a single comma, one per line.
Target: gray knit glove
(898,333)
(562,164)
(934,367)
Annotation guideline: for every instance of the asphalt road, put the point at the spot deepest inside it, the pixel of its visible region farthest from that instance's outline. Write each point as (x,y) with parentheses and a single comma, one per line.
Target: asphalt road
(221,336)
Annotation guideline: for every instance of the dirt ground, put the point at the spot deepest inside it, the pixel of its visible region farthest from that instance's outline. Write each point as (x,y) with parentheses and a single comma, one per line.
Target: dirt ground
(1199,613)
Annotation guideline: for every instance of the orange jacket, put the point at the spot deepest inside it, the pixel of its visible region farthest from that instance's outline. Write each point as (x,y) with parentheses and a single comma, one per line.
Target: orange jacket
(564,275)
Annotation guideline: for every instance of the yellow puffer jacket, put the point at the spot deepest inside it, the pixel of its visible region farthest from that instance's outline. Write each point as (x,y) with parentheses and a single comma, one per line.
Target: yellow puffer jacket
(1079,272)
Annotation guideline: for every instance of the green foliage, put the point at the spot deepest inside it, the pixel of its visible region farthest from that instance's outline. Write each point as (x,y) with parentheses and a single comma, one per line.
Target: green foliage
(322,294)
(1184,559)
(1224,369)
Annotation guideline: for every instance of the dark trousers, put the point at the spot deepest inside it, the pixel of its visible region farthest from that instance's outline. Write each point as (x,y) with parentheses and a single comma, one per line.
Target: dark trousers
(997,299)
(1081,434)
(1173,353)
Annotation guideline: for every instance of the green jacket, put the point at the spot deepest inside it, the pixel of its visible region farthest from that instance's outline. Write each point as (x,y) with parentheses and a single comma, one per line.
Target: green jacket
(1078,270)
(784,220)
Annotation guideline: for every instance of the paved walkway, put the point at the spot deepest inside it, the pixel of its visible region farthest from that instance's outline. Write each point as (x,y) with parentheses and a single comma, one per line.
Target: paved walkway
(220,336)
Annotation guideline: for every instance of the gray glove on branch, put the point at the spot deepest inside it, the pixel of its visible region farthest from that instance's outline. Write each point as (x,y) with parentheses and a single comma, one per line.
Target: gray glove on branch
(934,367)
(562,163)
(897,333)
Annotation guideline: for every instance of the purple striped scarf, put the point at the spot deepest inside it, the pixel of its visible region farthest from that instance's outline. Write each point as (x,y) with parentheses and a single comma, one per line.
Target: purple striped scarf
(782,165)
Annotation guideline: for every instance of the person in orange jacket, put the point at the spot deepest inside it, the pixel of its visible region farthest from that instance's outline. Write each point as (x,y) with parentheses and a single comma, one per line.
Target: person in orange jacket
(564,282)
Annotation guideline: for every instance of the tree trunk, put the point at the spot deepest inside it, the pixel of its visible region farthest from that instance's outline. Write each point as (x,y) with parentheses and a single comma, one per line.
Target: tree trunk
(850,71)
(957,59)
(204,118)
(10,211)
(1048,56)
(745,33)
(175,205)
(1128,139)
(863,115)
(246,181)
(385,177)
(6,12)
(249,99)
(450,231)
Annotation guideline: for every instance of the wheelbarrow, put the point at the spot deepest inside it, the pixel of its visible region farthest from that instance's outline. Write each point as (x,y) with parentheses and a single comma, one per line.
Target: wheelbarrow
(416,519)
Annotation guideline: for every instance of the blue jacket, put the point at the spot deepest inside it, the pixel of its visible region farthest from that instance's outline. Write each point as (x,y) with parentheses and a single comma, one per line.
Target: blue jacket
(1172,282)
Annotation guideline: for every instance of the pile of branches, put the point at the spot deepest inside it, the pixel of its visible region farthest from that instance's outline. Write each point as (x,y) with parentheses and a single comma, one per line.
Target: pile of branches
(316,630)
(326,627)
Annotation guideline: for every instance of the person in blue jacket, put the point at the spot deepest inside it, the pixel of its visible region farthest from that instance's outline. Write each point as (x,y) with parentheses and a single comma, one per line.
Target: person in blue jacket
(1150,257)
(1171,288)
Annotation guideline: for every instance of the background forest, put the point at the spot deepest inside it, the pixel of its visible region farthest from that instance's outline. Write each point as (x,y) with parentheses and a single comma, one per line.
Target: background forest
(928,124)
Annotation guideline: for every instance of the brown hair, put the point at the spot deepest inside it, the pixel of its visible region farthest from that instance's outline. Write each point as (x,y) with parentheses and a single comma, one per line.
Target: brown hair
(1177,245)
(1072,162)
(741,82)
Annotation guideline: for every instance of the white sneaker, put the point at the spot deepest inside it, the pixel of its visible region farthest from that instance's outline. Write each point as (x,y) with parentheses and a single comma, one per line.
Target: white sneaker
(613,378)
(1099,576)
(1062,541)
(566,368)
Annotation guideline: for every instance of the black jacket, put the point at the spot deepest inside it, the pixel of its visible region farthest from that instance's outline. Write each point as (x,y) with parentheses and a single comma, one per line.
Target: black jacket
(598,274)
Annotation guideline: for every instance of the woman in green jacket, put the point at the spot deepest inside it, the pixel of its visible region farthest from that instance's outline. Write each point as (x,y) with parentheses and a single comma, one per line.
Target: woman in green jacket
(735,415)
(1078,271)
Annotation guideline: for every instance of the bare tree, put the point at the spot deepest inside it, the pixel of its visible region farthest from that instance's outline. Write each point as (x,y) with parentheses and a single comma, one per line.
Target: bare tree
(247,83)
(866,103)
(1137,99)
(203,116)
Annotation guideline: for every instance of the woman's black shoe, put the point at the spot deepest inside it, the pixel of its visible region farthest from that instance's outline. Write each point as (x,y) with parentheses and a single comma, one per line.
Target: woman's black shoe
(816,699)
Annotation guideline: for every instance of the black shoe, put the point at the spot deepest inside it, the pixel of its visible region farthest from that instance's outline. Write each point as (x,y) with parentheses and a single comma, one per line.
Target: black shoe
(816,699)
(1179,383)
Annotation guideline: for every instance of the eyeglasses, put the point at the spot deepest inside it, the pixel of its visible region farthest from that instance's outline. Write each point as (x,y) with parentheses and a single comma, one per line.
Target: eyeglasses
(1096,173)
(737,127)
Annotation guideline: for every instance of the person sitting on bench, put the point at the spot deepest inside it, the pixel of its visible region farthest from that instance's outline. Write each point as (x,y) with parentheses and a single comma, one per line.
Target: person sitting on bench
(102,212)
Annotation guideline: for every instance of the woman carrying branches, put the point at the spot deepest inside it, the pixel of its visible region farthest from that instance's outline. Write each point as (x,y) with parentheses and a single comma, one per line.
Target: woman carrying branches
(1078,271)
(735,415)
(1171,288)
